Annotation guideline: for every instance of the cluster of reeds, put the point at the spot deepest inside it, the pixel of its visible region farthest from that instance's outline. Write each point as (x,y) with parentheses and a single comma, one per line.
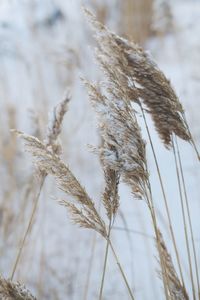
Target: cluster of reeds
(131,78)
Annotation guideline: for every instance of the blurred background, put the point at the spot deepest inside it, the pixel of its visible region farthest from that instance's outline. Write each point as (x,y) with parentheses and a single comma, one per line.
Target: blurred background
(46,46)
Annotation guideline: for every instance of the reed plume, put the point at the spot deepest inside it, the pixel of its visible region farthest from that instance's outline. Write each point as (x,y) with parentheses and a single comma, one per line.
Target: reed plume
(176,289)
(119,127)
(123,149)
(131,76)
(144,81)
(14,291)
(55,126)
(82,210)
(52,143)
(86,215)
(110,195)
(113,156)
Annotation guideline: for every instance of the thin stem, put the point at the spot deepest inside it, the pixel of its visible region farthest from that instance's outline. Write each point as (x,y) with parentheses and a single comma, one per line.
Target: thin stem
(195,147)
(184,219)
(105,263)
(164,196)
(191,137)
(189,214)
(90,266)
(129,241)
(28,229)
(121,270)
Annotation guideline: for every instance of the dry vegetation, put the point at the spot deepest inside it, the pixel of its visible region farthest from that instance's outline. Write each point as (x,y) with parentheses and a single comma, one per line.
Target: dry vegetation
(132,88)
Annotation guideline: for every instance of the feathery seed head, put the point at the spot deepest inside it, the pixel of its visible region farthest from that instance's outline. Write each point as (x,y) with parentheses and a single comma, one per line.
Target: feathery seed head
(142,79)
(13,291)
(54,126)
(175,288)
(50,163)
(123,149)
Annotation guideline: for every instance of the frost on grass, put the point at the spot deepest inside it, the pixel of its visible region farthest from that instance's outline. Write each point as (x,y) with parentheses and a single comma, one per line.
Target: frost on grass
(123,149)
(144,82)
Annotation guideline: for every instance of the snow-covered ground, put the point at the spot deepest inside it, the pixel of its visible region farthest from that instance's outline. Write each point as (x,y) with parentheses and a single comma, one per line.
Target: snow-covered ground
(46,46)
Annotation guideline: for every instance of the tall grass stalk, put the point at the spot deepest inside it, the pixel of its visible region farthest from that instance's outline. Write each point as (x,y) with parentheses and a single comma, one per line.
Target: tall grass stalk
(188,214)
(164,195)
(121,270)
(28,229)
(105,263)
(86,214)
(191,137)
(51,142)
(184,218)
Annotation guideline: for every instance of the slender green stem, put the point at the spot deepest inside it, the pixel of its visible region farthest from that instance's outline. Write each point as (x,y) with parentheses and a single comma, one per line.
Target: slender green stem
(164,196)
(28,228)
(188,214)
(184,219)
(121,270)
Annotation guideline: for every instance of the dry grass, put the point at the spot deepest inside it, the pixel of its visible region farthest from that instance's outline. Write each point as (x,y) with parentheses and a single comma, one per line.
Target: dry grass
(53,145)
(131,80)
(14,291)
(133,76)
(142,79)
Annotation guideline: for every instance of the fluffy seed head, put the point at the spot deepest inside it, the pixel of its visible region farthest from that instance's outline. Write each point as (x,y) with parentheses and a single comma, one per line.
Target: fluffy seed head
(143,81)
(85,214)
(54,126)
(13,291)
(175,288)
(123,150)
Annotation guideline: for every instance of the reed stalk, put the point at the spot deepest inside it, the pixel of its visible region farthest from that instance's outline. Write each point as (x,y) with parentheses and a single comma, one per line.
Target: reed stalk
(164,195)
(184,218)
(28,229)
(188,214)
(105,263)
(191,138)
(121,270)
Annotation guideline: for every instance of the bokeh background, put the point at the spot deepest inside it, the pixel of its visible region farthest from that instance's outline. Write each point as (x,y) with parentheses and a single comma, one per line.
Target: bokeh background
(46,46)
